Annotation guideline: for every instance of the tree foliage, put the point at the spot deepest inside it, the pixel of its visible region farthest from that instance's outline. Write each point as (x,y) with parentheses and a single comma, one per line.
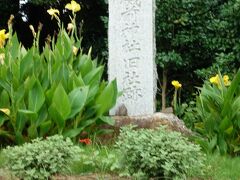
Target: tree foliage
(6,8)
(197,36)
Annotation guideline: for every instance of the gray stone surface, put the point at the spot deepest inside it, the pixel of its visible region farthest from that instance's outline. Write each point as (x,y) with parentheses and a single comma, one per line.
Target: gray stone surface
(169,120)
(132,55)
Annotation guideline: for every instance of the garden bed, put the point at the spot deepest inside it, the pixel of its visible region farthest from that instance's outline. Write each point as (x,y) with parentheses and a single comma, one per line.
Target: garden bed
(91,177)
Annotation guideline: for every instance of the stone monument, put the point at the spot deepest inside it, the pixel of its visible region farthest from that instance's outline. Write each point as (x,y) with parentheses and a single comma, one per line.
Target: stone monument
(132,55)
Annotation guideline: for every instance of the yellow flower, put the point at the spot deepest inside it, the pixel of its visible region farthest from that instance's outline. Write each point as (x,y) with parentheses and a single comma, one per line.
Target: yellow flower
(2,57)
(176,84)
(53,12)
(215,80)
(226,80)
(75,50)
(73,6)
(3,37)
(5,111)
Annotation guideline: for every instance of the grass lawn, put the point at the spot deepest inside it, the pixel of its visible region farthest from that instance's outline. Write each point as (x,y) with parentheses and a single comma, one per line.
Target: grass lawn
(222,168)
(1,159)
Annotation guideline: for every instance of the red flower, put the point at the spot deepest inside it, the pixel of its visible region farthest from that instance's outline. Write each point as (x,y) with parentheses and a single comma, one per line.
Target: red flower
(87,141)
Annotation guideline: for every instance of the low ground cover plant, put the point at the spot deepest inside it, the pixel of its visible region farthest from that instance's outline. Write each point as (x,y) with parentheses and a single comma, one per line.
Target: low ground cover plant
(158,154)
(59,90)
(41,158)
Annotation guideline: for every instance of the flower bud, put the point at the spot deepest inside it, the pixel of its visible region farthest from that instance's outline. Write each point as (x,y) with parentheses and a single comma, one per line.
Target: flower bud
(33,31)
(75,50)
(10,20)
(70,27)
(2,57)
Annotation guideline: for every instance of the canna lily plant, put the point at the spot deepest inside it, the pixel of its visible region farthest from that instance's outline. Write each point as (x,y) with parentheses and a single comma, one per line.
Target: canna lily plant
(218,106)
(58,91)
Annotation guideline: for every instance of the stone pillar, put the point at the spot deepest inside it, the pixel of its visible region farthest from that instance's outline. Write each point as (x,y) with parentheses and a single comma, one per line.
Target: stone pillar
(132,55)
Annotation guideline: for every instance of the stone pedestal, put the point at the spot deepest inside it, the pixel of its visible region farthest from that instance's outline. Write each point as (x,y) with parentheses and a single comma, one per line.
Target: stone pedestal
(171,122)
(132,55)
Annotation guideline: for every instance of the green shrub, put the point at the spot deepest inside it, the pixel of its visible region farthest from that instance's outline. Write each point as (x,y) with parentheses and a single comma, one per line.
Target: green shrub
(159,153)
(41,159)
(218,106)
(59,90)
(190,114)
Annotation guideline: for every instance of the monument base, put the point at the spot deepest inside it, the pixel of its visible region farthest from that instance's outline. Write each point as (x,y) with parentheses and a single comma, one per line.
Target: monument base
(171,121)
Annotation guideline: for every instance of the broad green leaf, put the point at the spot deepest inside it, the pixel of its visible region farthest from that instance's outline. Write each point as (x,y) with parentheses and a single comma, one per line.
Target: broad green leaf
(107,98)
(93,76)
(74,82)
(61,75)
(236,107)
(77,99)
(26,64)
(19,137)
(87,123)
(15,70)
(67,45)
(57,118)
(36,97)
(80,80)
(222,145)
(32,131)
(104,131)
(225,124)
(73,132)
(45,127)
(29,83)
(20,122)
(5,85)
(19,95)
(229,130)
(50,93)
(230,93)
(4,99)
(28,114)
(93,91)
(91,111)
(15,47)
(42,115)
(61,102)
(213,143)
(108,120)
(85,65)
